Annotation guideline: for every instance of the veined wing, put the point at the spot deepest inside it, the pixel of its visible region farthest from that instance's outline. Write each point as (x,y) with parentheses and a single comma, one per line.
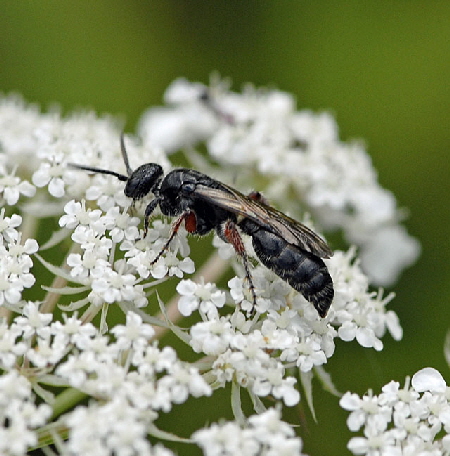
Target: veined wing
(289,229)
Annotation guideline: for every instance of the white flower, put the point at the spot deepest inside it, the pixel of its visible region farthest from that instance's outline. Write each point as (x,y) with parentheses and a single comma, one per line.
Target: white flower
(360,313)
(123,226)
(141,255)
(33,321)
(91,239)
(47,351)
(226,439)
(115,427)
(199,295)
(10,348)
(134,332)
(387,253)
(151,359)
(76,214)
(71,328)
(183,381)
(171,265)
(8,225)
(374,445)
(211,337)
(15,265)
(51,176)
(114,286)
(364,410)
(12,187)
(82,265)
(273,383)
(185,124)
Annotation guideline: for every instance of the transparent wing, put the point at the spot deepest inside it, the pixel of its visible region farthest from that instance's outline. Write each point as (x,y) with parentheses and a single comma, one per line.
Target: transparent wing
(289,229)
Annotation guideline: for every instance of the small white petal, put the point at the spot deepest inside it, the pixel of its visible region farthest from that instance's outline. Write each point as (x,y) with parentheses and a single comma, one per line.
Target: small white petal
(358,445)
(56,187)
(428,379)
(350,401)
(186,287)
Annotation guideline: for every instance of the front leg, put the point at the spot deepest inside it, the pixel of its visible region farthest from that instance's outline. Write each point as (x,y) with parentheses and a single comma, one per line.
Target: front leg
(190,223)
(148,212)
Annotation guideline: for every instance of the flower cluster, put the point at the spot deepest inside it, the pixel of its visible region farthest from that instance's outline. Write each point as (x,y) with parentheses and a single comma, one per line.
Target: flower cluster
(407,420)
(92,268)
(262,434)
(15,262)
(134,379)
(19,415)
(262,133)
(261,346)
(255,353)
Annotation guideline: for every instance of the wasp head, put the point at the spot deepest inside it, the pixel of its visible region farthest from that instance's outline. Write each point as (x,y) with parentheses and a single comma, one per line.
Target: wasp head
(143,180)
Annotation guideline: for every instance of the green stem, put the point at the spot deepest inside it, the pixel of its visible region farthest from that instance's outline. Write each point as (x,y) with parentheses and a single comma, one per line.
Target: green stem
(51,298)
(66,401)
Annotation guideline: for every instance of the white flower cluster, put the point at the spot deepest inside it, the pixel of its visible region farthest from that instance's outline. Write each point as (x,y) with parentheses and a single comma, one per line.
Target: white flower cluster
(111,428)
(92,268)
(134,379)
(262,133)
(129,379)
(358,313)
(19,415)
(15,262)
(263,434)
(41,146)
(118,280)
(413,420)
(136,387)
(287,331)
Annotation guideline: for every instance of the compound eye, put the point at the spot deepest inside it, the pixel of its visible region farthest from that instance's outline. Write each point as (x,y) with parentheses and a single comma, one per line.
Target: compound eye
(188,188)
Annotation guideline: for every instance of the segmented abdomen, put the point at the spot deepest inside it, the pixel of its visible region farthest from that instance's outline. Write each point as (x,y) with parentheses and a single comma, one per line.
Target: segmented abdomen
(303,271)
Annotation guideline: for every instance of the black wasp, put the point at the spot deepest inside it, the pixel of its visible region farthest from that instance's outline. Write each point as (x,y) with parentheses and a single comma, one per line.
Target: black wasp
(282,244)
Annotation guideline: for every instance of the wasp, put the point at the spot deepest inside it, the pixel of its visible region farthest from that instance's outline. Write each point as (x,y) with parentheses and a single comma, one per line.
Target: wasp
(285,246)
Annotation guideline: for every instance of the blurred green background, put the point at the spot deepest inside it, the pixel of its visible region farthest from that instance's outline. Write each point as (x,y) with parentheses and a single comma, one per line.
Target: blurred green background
(382,68)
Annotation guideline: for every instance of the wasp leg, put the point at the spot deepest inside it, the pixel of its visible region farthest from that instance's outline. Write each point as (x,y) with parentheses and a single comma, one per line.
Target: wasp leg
(190,221)
(229,233)
(148,212)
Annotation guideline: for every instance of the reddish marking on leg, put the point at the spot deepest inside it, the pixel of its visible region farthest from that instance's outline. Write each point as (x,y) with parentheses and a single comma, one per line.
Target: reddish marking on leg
(232,235)
(176,225)
(190,222)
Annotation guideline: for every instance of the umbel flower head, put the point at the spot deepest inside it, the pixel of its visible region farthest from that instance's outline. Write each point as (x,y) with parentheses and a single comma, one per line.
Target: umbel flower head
(82,355)
(414,419)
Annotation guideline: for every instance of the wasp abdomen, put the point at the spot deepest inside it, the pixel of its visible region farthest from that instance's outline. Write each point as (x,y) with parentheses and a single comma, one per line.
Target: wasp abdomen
(303,271)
